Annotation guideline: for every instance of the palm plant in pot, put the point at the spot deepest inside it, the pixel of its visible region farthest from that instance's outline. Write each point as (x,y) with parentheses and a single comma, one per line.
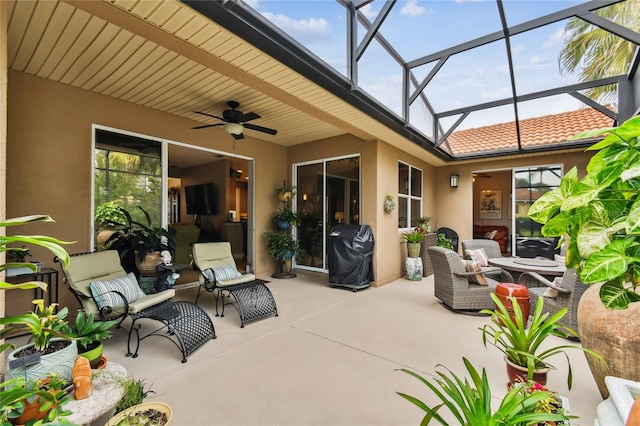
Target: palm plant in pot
(523,351)
(598,216)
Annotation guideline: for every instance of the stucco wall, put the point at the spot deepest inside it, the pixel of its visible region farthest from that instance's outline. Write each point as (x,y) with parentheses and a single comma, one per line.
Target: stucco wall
(49,157)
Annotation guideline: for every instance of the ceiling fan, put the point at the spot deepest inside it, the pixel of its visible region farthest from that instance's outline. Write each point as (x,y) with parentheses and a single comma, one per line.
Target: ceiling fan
(236,121)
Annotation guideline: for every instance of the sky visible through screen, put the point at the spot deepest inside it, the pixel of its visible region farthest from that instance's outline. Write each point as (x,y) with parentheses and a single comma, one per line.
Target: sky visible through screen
(418,28)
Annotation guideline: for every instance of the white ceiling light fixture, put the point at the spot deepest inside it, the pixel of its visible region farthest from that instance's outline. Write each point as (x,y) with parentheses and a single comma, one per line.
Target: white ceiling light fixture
(233,128)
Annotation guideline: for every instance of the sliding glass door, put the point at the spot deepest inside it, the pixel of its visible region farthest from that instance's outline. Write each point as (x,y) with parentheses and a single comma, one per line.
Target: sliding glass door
(328,193)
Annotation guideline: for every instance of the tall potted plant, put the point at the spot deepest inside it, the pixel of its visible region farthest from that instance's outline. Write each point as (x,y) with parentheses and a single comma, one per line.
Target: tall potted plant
(598,216)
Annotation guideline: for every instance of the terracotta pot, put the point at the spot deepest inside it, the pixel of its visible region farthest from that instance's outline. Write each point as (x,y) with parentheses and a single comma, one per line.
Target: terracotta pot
(92,352)
(634,414)
(611,333)
(32,410)
(516,373)
(99,364)
(147,267)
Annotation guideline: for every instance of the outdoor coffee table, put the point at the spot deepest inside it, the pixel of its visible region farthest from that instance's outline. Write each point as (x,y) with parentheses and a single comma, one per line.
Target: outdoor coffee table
(522,264)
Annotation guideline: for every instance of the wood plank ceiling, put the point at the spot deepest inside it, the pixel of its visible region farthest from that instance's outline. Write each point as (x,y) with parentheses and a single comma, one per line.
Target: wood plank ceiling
(165,56)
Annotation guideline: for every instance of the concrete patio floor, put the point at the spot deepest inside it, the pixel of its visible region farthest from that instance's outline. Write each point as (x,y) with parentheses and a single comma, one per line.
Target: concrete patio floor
(329,358)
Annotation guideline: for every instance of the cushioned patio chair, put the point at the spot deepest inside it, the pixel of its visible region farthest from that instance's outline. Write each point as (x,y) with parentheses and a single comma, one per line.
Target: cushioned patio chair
(490,247)
(561,293)
(455,286)
(105,290)
(219,276)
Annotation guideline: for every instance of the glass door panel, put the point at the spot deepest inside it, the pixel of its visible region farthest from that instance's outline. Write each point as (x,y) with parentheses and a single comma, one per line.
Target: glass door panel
(328,194)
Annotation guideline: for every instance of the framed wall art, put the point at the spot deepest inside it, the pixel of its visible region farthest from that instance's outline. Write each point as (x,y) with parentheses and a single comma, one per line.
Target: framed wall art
(491,204)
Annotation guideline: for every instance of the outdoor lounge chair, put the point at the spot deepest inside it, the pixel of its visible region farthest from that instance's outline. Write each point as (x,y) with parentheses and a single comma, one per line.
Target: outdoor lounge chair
(104,290)
(490,247)
(569,291)
(453,285)
(219,276)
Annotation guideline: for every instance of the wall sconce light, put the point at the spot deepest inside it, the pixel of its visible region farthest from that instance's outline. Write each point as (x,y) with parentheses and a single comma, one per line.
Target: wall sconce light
(454,180)
(304,196)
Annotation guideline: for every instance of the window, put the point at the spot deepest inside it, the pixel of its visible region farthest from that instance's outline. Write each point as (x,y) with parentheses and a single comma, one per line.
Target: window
(128,170)
(409,195)
(530,184)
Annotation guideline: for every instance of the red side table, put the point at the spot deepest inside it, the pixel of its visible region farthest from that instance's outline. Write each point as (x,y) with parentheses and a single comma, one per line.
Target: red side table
(517,291)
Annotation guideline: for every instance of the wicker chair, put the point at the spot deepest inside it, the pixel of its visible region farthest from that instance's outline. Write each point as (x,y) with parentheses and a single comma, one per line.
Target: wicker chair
(570,290)
(492,248)
(453,287)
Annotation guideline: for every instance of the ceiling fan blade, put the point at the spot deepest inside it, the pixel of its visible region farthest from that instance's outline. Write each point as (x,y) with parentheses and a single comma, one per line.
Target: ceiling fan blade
(260,128)
(238,137)
(209,115)
(248,117)
(208,125)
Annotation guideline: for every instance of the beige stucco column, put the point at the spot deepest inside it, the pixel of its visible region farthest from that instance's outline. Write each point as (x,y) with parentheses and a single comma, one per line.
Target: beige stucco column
(3,141)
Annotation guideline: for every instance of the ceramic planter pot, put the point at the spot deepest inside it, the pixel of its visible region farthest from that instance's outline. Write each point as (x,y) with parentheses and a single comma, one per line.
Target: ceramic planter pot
(516,373)
(611,333)
(93,353)
(147,267)
(413,249)
(60,362)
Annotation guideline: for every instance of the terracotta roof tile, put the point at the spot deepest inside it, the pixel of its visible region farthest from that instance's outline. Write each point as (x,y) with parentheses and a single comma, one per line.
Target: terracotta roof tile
(537,131)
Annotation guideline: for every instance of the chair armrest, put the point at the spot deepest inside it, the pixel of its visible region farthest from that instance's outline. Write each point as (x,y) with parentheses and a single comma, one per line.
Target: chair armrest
(106,312)
(542,280)
(490,269)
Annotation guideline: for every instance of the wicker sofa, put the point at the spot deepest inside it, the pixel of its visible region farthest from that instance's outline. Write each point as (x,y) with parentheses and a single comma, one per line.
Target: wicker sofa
(501,237)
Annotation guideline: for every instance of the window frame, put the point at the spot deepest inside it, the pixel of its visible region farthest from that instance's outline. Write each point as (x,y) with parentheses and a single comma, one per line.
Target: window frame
(408,197)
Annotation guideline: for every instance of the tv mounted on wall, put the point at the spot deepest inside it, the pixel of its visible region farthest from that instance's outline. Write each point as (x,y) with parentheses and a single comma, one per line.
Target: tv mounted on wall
(201,199)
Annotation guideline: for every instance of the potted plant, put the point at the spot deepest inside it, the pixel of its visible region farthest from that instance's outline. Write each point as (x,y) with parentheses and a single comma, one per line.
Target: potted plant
(444,241)
(283,247)
(285,192)
(90,334)
(132,409)
(25,401)
(469,401)
(423,222)
(140,240)
(108,216)
(20,392)
(597,217)
(17,260)
(285,218)
(413,239)
(524,355)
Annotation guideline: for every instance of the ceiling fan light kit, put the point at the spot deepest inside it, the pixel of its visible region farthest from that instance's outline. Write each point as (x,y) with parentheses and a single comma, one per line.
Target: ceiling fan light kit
(233,128)
(233,121)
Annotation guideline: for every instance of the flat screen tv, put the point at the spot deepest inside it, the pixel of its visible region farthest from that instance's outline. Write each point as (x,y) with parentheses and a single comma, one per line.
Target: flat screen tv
(201,199)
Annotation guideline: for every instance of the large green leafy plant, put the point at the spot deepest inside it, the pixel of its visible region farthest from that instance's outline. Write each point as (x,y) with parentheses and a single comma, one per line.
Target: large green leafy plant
(599,215)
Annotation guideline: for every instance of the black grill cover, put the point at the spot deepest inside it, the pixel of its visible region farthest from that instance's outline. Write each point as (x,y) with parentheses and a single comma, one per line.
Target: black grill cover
(351,255)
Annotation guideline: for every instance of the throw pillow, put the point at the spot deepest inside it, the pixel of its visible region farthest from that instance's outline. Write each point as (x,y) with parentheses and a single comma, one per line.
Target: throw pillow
(479,278)
(478,255)
(491,235)
(552,292)
(222,273)
(102,291)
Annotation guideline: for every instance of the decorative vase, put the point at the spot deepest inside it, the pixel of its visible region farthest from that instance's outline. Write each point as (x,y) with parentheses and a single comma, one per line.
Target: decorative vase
(516,373)
(611,333)
(413,249)
(147,267)
(60,362)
